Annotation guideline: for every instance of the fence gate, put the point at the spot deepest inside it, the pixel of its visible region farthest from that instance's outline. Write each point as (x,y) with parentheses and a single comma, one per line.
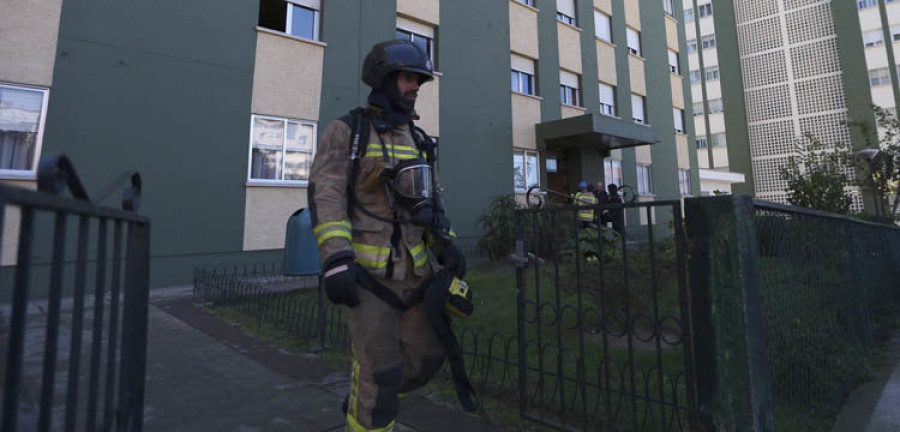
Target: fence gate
(72,247)
(604,338)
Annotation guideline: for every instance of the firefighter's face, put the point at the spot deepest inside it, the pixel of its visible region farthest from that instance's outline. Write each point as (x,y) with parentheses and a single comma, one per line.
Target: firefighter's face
(408,82)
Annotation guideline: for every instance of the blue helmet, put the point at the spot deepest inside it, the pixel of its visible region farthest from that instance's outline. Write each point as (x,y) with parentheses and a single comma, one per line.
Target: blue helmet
(582,185)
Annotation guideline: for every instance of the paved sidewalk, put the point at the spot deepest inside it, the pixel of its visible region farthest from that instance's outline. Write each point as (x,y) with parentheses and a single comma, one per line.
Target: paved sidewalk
(206,375)
(875,405)
(887,414)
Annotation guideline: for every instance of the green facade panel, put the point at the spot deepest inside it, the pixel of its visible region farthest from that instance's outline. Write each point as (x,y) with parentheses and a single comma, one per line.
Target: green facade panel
(163,88)
(476,108)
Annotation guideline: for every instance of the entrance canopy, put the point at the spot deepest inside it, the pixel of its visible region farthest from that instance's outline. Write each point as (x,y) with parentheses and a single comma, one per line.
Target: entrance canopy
(595,132)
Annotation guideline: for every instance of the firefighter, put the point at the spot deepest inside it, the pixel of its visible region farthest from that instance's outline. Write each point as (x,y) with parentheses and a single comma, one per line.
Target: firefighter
(582,198)
(375,208)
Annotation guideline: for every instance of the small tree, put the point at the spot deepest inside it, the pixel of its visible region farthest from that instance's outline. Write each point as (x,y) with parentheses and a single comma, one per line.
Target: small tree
(818,175)
(884,172)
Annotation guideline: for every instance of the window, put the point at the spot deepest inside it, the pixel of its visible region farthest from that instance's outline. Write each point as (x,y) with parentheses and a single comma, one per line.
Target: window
(551,164)
(715,106)
(862,4)
(281,150)
(712,73)
(607,99)
(879,77)
(644,180)
(526,2)
(603,26)
(419,34)
(678,117)
(634,41)
(525,170)
(695,76)
(718,140)
(673,62)
(873,38)
(684,182)
(569,88)
(895,33)
(701,143)
(688,15)
(708,41)
(22,114)
(295,17)
(522,77)
(704,10)
(669,6)
(612,172)
(692,46)
(565,11)
(638,113)
(697,108)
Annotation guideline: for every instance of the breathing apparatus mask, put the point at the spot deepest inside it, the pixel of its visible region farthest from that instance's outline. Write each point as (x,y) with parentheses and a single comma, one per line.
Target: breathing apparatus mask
(409,186)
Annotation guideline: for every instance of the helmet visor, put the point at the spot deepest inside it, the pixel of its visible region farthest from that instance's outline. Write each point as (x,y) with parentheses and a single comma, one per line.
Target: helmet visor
(414,181)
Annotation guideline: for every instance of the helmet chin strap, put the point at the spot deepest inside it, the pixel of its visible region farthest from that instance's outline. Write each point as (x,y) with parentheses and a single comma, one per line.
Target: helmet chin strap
(387,97)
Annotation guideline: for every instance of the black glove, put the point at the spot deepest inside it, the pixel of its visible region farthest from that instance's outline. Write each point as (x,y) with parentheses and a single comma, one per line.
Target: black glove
(453,260)
(341,284)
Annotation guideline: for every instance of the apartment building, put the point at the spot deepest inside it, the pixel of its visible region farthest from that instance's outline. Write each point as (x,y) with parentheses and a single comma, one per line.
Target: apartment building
(220,104)
(881,57)
(785,69)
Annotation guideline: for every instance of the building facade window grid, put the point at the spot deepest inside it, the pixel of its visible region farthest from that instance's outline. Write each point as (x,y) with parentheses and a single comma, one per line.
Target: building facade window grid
(525,170)
(644,180)
(281,150)
(22,115)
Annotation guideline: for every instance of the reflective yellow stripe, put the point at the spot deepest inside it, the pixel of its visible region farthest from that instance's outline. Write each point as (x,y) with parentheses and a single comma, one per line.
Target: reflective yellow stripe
(395,152)
(327,225)
(374,257)
(330,234)
(453,233)
(329,230)
(418,255)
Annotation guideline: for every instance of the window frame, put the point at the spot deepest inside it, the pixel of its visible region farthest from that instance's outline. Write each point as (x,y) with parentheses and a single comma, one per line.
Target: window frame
(39,138)
(669,7)
(691,46)
(707,7)
(608,27)
(643,99)
(701,143)
(280,182)
(881,80)
(519,76)
(719,140)
(563,17)
(712,73)
(678,116)
(609,165)
(636,51)
(708,42)
(564,90)
(644,173)
(524,153)
(288,26)
(684,182)
(867,43)
(675,68)
(606,108)
(526,2)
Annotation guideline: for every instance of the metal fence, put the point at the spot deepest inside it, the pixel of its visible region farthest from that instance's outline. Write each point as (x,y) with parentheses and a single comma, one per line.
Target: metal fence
(830,289)
(106,392)
(603,321)
(259,294)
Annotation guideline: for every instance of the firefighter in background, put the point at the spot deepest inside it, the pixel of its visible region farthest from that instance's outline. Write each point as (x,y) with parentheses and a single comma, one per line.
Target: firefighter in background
(582,198)
(375,208)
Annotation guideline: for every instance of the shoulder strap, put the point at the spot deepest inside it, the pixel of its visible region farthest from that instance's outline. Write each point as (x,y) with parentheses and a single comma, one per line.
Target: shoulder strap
(358,120)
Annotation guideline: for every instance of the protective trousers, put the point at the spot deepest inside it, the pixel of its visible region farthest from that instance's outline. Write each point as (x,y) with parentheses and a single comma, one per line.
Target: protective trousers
(394,353)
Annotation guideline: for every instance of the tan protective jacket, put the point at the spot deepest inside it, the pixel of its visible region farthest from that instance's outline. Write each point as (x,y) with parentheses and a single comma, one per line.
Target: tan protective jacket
(365,237)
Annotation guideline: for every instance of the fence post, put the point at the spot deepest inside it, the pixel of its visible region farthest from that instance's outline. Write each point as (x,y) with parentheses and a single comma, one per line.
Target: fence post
(733,389)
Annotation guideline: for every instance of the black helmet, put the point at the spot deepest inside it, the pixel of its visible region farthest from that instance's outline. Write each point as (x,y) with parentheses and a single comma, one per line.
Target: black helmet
(395,55)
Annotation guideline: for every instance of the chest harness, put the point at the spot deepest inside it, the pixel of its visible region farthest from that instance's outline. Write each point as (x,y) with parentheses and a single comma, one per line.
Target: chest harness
(411,185)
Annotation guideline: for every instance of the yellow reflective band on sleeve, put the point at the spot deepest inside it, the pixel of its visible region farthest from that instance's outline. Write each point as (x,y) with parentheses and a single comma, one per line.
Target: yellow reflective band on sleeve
(374,257)
(333,229)
(453,233)
(396,152)
(418,255)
